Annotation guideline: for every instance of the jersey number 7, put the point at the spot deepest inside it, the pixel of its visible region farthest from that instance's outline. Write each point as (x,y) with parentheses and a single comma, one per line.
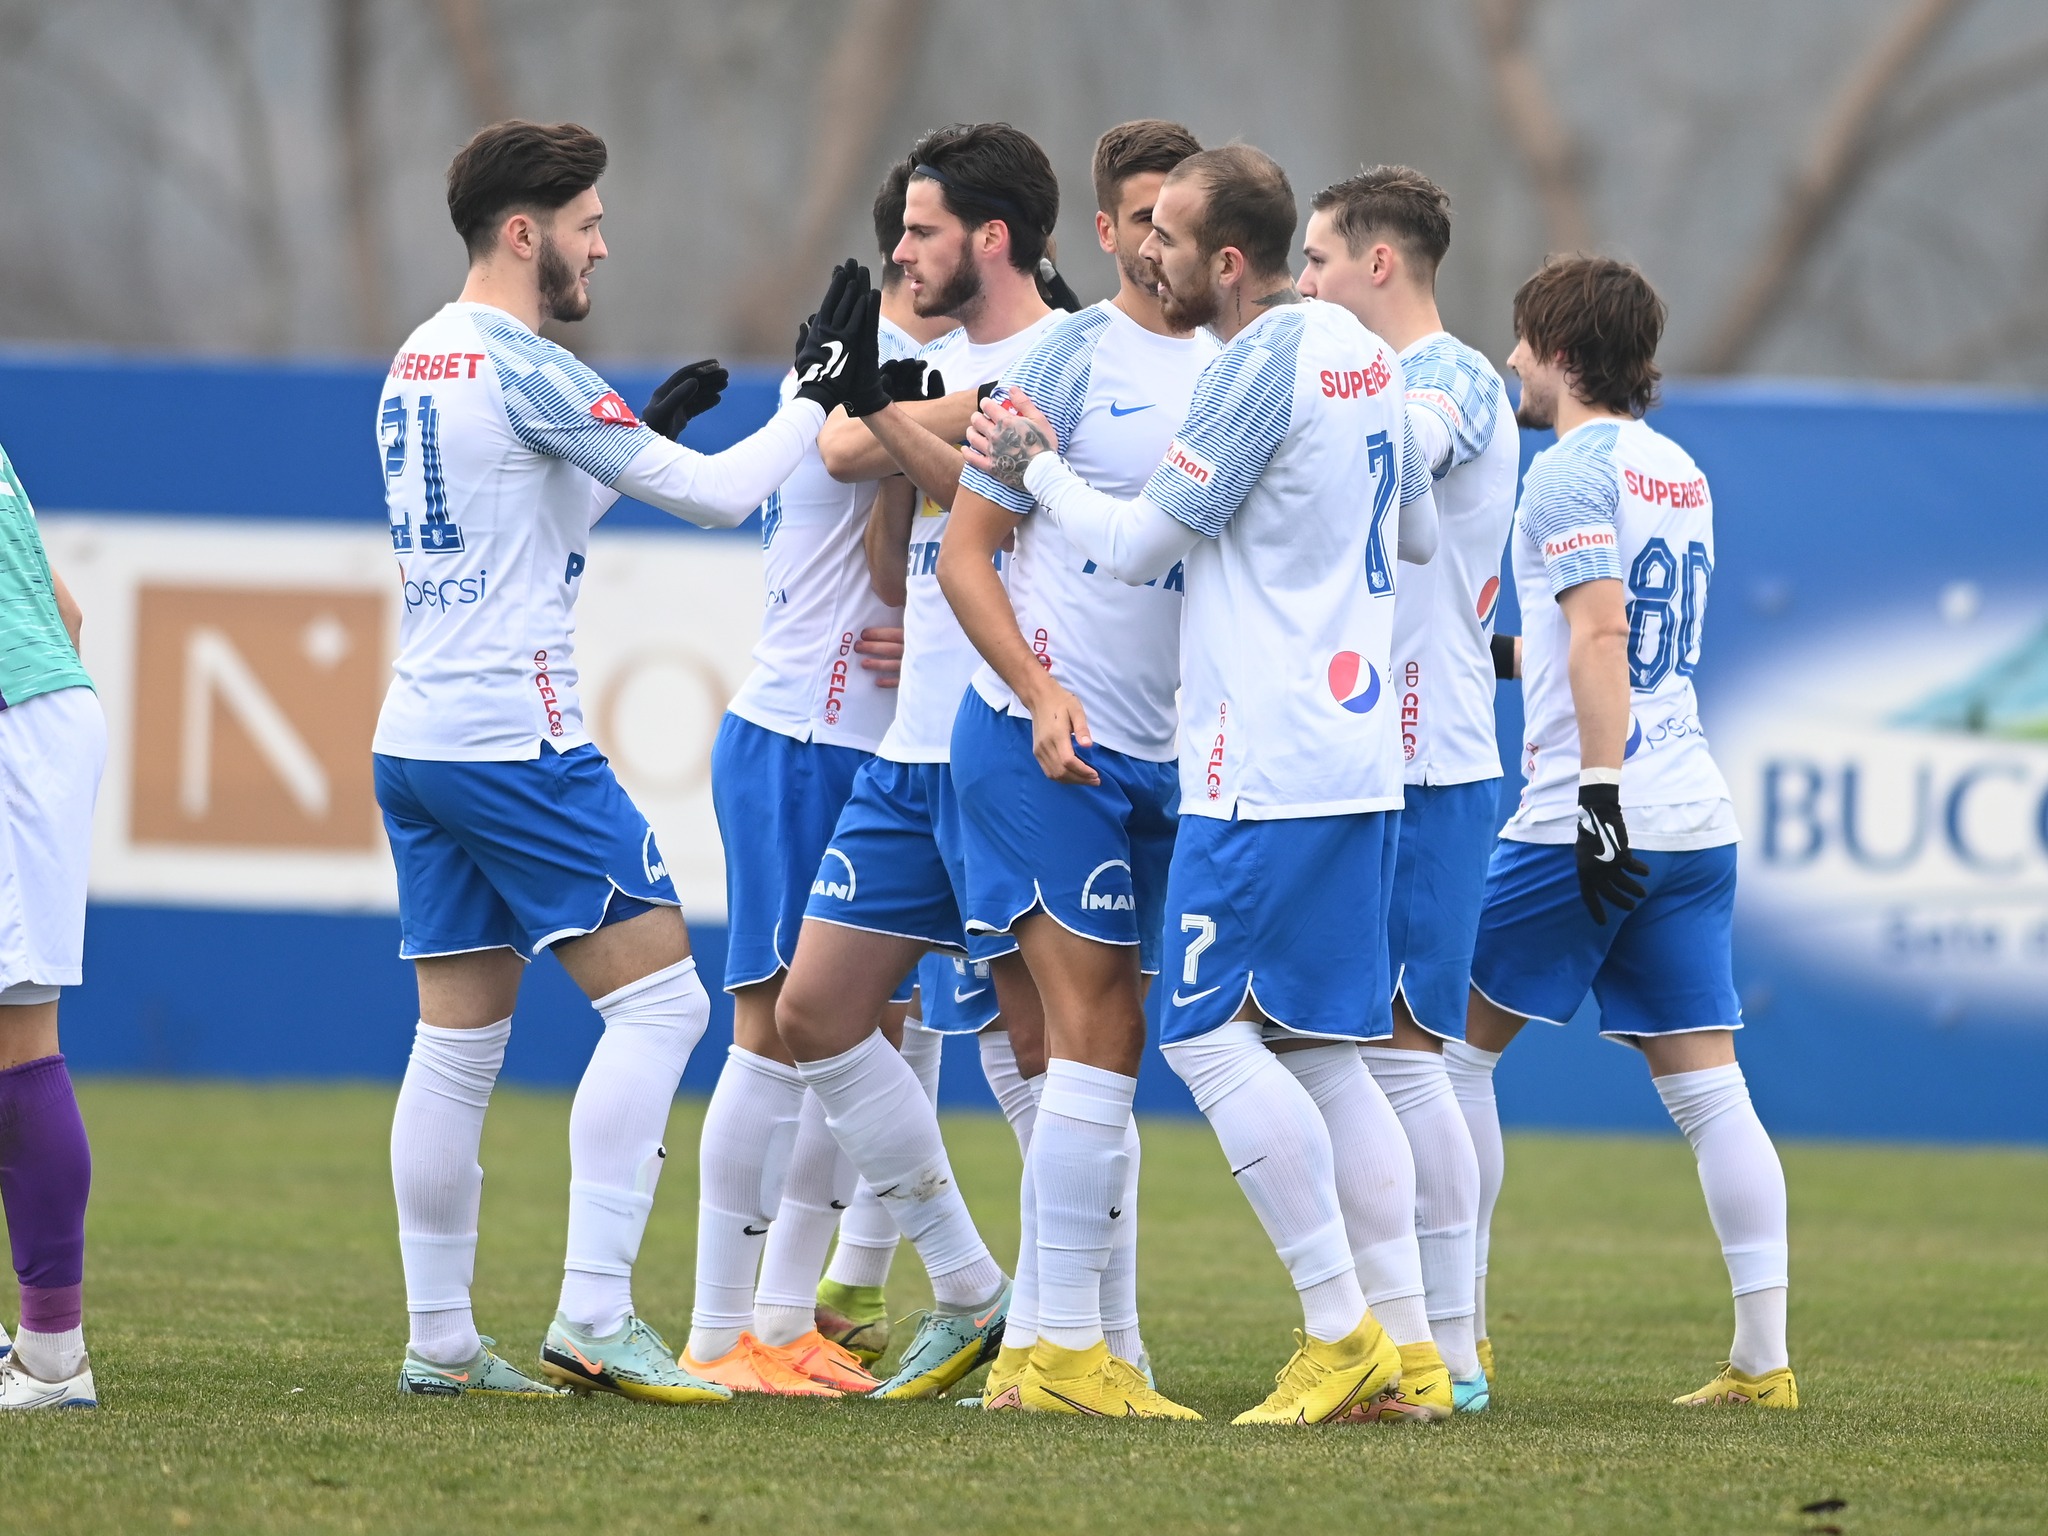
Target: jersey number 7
(1379,461)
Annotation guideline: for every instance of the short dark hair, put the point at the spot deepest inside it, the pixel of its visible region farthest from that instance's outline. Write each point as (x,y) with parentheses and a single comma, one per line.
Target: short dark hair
(1249,204)
(1396,202)
(1134,148)
(517,165)
(992,171)
(889,218)
(1605,319)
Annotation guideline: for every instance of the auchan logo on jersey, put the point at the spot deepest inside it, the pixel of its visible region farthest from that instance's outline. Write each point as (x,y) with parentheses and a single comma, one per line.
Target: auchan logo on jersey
(1357,383)
(609,407)
(1667,493)
(1184,460)
(1577,540)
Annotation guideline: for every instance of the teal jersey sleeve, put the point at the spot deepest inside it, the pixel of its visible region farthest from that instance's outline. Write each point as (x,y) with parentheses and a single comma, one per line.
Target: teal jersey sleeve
(35,653)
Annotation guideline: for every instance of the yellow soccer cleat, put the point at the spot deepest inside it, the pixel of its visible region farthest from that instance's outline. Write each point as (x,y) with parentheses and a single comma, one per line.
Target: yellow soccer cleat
(855,1317)
(1424,1395)
(1091,1382)
(1773,1389)
(1484,1349)
(1340,1383)
(999,1387)
(751,1366)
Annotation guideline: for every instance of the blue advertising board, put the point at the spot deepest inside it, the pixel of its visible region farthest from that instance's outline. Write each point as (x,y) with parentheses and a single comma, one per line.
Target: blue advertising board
(1875,683)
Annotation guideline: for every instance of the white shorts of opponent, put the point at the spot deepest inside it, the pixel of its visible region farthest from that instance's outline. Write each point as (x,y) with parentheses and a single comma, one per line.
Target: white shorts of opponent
(52,750)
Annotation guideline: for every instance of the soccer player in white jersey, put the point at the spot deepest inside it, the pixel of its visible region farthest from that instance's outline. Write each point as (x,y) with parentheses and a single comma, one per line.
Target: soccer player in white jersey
(1374,244)
(982,202)
(510,834)
(772,1181)
(53,745)
(1063,754)
(1289,490)
(1617,873)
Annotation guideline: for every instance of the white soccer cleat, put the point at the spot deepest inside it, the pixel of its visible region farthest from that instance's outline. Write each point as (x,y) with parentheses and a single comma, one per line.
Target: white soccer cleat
(23,1393)
(6,1344)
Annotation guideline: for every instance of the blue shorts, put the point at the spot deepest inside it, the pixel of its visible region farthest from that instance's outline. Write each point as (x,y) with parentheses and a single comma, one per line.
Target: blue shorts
(956,995)
(1292,914)
(894,863)
(1093,856)
(1447,835)
(777,800)
(1663,969)
(515,855)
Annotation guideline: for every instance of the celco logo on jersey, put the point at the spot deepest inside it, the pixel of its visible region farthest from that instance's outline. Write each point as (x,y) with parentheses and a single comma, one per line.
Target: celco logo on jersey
(609,407)
(1219,749)
(835,688)
(1114,892)
(1489,599)
(1353,683)
(826,885)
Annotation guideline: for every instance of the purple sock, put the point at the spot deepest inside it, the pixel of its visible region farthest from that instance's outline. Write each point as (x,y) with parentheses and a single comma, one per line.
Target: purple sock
(45,1175)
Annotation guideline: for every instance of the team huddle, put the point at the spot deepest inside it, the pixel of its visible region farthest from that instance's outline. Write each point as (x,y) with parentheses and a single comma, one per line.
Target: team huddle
(1142,647)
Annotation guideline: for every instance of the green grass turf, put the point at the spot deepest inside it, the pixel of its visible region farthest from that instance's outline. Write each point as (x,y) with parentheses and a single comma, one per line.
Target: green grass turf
(247,1321)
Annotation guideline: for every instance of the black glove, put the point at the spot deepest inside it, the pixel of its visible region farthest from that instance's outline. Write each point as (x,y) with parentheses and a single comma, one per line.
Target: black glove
(911,378)
(826,357)
(982,394)
(1605,863)
(1054,288)
(685,394)
(865,393)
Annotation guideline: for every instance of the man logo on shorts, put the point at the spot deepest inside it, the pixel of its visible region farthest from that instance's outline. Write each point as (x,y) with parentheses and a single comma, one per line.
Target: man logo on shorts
(651,860)
(1093,900)
(825,886)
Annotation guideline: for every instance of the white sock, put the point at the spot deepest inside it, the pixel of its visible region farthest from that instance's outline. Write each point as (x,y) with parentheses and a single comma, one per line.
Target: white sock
(1120,1279)
(57,1357)
(1446,1193)
(879,1113)
(1279,1152)
(435,1132)
(818,1189)
(616,1128)
(1471,1073)
(1077,1156)
(1745,1189)
(750,1130)
(1020,1330)
(1016,1094)
(1375,1184)
(867,1233)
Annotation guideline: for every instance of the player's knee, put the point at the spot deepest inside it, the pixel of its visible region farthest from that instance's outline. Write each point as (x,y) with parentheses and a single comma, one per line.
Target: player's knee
(1218,1063)
(668,1010)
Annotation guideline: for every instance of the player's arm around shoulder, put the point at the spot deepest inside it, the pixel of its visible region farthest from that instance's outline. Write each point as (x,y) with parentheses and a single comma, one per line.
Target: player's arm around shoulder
(855,449)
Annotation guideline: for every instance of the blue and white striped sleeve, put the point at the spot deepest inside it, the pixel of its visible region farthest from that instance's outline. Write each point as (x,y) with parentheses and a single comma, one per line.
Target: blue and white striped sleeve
(1415,476)
(1570,502)
(559,407)
(1241,413)
(1055,374)
(1459,387)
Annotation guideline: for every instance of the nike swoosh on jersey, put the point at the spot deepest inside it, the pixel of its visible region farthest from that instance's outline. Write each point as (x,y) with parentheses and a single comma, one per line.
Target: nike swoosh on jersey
(1126,410)
(1194,997)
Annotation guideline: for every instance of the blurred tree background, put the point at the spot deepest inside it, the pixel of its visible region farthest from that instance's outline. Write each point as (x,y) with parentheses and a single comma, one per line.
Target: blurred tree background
(1833,188)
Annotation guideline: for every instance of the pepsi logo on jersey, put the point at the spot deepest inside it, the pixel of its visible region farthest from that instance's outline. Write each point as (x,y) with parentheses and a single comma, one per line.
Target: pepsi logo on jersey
(1357,383)
(1489,599)
(1353,682)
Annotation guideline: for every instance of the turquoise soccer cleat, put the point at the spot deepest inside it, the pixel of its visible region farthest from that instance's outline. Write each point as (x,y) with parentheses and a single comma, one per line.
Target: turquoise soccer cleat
(948,1345)
(1473,1396)
(488,1375)
(634,1362)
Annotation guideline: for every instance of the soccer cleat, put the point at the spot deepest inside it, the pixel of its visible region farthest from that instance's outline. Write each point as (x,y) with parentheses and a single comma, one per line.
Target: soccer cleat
(856,1318)
(488,1375)
(632,1362)
(826,1363)
(1484,1349)
(1339,1383)
(1426,1394)
(6,1344)
(1473,1396)
(947,1346)
(1003,1374)
(1091,1382)
(751,1366)
(1773,1389)
(23,1393)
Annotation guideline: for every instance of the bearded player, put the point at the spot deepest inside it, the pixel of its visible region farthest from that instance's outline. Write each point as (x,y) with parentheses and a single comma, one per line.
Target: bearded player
(510,834)
(1617,873)
(1374,244)
(1289,489)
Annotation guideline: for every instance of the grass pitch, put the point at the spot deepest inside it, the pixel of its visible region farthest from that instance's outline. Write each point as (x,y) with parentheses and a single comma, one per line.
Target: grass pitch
(247,1321)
